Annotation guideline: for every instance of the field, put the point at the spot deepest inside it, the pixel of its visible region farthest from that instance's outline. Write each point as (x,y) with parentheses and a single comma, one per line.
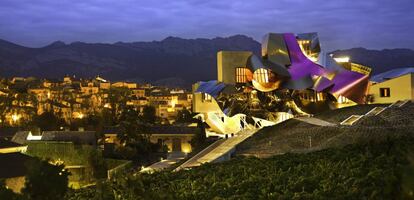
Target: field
(373,170)
(299,137)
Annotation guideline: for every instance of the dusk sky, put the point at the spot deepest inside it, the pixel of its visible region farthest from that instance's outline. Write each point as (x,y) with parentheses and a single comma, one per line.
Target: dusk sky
(341,24)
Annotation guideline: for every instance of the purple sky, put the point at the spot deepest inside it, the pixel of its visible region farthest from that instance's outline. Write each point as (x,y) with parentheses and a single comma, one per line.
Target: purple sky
(340,23)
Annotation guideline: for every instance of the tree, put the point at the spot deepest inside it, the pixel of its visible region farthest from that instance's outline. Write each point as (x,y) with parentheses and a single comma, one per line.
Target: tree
(45,181)
(199,139)
(98,164)
(131,129)
(117,99)
(184,116)
(48,121)
(148,115)
(134,136)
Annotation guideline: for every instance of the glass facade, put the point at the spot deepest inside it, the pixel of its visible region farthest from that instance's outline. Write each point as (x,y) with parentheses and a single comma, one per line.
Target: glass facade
(262,75)
(241,75)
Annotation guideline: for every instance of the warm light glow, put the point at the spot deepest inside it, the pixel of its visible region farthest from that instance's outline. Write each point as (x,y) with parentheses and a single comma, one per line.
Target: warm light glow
(15,117)
(79,115)
(305,47)
(101,79)
(186,149)
(30,136)
(173,102)
(342,59)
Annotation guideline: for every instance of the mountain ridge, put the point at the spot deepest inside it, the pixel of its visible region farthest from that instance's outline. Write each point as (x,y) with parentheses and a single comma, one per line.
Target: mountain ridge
(172,58)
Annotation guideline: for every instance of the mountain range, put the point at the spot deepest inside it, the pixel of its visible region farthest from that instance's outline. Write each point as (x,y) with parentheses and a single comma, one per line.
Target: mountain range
(172,61)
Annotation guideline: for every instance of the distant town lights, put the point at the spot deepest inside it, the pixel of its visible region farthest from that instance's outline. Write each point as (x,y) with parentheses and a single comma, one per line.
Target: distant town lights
(15,117)
(80,115)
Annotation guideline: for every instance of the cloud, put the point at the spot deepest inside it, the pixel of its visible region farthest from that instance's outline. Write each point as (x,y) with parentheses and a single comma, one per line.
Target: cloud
(340,23)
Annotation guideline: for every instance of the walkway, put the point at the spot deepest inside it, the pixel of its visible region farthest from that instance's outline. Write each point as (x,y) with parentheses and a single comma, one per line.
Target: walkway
(163,164)
(351,120)
(399,103)
(315,121)
(225,147)
(199,155)
(375,111)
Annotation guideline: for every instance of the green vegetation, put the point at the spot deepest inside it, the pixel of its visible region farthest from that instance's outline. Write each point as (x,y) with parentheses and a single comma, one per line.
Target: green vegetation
(371,160)
(43,182)
(199,140)
(86,156)
(133,136)
(373,170)
(185,116)
(48,121)
(148,115)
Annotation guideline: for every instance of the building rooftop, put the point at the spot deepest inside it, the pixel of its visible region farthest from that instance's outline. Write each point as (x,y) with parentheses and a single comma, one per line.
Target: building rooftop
(20,137)
(212,88)
(173,130)
(392,74)
(13,164)
(8,132)
(159,129)
(8,144)
(77,137)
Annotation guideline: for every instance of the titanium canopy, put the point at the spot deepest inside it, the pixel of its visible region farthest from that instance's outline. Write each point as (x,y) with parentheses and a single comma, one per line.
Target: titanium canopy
(291,61)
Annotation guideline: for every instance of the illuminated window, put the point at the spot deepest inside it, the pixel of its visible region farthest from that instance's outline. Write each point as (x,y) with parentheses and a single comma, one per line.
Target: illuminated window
(262,75)
(385,92)
(305,46)
(207,97)
(342,99)
(320,96)
(241,75)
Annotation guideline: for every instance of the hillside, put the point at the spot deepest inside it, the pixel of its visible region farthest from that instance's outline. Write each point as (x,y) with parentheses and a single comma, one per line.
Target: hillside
(172,61)
(294,135)
(368,169)
(373,159)
(379,60)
